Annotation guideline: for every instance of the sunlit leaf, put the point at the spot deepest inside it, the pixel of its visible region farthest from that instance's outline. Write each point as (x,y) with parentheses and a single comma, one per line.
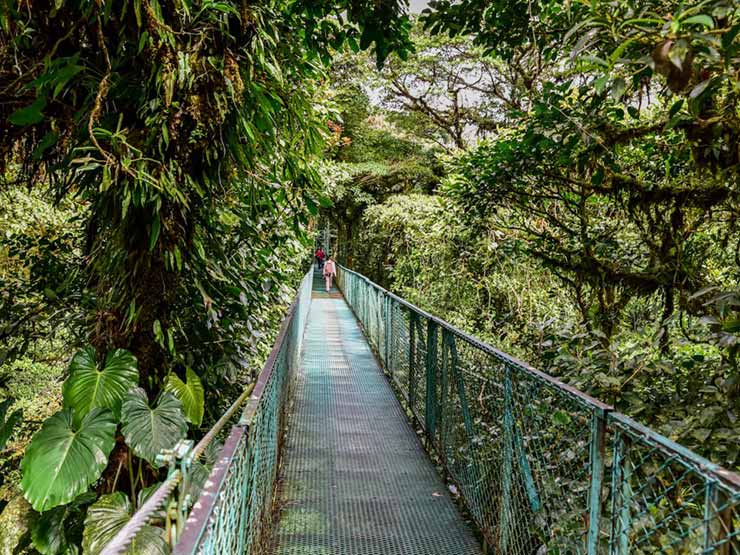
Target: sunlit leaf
(104,520)
(149,430)
(89,386)
(190,393)
(700,19)
(64,458)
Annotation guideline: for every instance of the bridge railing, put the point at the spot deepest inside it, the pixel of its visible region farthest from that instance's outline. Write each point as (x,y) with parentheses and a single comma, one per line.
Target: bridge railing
(233,511)
(541,467)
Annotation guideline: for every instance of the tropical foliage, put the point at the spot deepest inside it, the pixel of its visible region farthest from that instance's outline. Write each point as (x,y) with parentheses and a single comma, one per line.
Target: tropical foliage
(560,178)
(591,229)
(165,156)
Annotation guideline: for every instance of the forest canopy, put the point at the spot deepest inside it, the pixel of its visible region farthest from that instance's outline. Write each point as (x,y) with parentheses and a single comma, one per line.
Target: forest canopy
(583,210)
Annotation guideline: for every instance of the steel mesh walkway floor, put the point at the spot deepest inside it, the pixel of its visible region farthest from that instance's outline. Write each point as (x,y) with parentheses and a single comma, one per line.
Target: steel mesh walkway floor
(355,479)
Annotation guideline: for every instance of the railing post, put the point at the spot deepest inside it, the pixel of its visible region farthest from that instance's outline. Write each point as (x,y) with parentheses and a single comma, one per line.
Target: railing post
(430,412)
(413,317)
(177,509)
(596,463)
(447,361)
(709,502)
(388,327)
(621,498)
(508,466)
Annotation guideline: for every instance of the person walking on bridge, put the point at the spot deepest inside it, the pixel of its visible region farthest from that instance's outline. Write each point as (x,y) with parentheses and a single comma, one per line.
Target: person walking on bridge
(330,270)
(320,256)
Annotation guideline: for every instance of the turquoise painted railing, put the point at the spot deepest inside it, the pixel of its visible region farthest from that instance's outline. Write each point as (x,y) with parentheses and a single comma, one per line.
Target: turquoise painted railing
(541,467)
(234,507)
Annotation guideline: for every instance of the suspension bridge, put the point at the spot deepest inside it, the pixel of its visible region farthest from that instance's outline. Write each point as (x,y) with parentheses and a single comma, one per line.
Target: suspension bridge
(378,429)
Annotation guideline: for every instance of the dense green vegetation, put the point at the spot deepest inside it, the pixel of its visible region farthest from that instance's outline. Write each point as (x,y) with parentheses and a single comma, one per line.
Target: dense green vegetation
(157,165)
(559,178)
(579,206)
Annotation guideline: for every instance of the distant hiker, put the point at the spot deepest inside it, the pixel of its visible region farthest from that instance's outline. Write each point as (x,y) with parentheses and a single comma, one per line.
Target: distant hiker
(320,257)
(330,270)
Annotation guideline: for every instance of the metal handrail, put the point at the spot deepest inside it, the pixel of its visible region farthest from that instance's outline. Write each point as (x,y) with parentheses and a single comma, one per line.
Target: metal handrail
(180,460)
(483,346)
(204,507)
(200,528)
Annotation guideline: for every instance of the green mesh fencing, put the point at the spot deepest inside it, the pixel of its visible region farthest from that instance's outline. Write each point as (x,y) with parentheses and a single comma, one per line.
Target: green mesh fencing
(234,511)
(543,468)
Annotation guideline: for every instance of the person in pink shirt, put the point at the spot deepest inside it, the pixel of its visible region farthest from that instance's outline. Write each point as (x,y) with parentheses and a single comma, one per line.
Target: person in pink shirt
(330,270)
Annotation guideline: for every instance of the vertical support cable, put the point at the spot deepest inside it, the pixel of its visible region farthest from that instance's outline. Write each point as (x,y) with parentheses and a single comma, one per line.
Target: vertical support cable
(708,511)
(621,497)
(720,537)
(388,322)
(447,341)
(596,463)
(413,317)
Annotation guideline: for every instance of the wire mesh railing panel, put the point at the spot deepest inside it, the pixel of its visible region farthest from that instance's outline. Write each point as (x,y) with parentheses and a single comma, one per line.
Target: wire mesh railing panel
(667,500)
(518,447)
(541,467)
(234,512)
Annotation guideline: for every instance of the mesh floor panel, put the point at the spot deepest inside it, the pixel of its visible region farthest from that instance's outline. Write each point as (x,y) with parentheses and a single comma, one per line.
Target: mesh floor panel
(355,479)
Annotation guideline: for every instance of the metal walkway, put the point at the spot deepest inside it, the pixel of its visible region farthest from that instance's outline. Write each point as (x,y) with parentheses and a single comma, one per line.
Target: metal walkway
(356,480)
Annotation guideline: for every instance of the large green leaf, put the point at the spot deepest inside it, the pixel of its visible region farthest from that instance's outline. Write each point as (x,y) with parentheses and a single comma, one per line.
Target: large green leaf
(190,394)
(53,532)
(150,430)
(48,532)
(29,115)
(7,424)
(88,387)
(64,458)
(107,516)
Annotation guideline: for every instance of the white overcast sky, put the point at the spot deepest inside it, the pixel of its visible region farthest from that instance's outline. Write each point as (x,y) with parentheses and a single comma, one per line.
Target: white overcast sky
(418,5)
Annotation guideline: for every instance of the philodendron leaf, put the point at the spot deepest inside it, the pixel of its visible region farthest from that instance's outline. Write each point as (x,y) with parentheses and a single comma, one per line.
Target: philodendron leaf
(190,394)
(150,430)
(64,458)
(89,386)
(107,516)
(7,424)
(48,532)
(51,531)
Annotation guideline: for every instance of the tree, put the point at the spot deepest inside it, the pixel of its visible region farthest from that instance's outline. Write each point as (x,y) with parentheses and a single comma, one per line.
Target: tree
(450,91)
(159,117)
